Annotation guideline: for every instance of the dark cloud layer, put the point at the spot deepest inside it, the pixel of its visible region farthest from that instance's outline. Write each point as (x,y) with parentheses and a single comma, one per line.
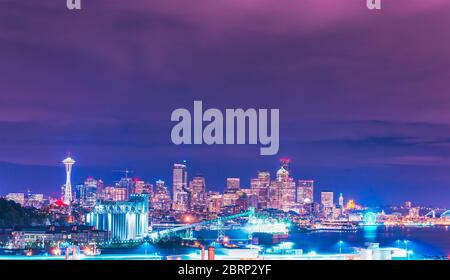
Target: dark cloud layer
(363,94)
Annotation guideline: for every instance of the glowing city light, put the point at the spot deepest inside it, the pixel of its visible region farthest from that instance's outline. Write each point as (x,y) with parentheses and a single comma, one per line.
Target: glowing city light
(350,205)
(226,239)
(267,226)
(370,218)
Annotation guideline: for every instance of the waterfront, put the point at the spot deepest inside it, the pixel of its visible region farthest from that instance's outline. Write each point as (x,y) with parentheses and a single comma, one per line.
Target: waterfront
(421,242)
(424,242)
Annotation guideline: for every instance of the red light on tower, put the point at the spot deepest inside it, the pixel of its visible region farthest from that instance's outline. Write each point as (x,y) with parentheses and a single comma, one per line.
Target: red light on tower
(60,203)
(285,163)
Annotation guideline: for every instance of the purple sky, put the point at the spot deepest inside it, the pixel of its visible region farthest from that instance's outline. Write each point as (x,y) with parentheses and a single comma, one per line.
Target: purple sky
(363,95)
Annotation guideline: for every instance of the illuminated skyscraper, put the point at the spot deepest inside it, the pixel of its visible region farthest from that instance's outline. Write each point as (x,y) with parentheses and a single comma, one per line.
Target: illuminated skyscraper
(341,200)
(180,190)
(260,187)
(125,186)
(114,194)
(305,191)
(138,186)
(87,193)
(327,199)
(282,191)
(215,202)
(67,189)
(161,199)
(233,184)
(198,193)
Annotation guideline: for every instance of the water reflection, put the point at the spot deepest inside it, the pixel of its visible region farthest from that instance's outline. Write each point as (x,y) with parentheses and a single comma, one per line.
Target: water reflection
(370,233)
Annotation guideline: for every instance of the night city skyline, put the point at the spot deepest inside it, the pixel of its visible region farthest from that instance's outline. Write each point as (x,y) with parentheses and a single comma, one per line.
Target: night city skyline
(224,139)
(362,115)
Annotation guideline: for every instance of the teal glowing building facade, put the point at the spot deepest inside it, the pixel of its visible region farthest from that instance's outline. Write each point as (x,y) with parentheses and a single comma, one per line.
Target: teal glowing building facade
(125,220)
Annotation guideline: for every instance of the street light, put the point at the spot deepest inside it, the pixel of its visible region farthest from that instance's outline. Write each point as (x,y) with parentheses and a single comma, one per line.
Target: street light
(406,248)
(340,246)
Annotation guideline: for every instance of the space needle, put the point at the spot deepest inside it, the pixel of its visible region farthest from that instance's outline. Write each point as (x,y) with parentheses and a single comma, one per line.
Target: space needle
(67,190)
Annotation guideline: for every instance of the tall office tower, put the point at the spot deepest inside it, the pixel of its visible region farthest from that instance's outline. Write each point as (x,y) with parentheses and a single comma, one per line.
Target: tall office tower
(148,189)
(229,199)
(67,188)
(180,190)
(408,204)
(100,187)
(114,194)
(242,202)
(288,193)
(305,191)
(215,202)
(274,195)
(233,184)
(341,200)
(138,186)
(264,178)
(161,198)
(198,193)
(326,199)
(120,194)
(77,190)
(282,175)
(87,193)
(126,187)
(260,187)
(108,193)
(282,191)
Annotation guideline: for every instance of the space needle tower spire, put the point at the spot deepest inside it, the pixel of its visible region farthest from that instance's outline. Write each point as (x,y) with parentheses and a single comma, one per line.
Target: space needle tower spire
(67,190)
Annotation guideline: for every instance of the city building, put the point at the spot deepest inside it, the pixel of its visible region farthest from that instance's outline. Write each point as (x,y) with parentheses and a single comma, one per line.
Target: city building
(327,202)
(86,194)
(305,191)
(138,186)
(35,200)
(414,213)
(124,187)
(197,189)
(260,187)
(16,197)
(49,236)
(229,199)
(283,188)
(326,199)
(161,199)
(408,204)
(180,188)
(114,194)
(125,220)
(233,184)
(215,202)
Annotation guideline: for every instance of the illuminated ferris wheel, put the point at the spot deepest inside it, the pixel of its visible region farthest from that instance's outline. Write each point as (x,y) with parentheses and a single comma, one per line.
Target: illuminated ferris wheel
(370,218)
